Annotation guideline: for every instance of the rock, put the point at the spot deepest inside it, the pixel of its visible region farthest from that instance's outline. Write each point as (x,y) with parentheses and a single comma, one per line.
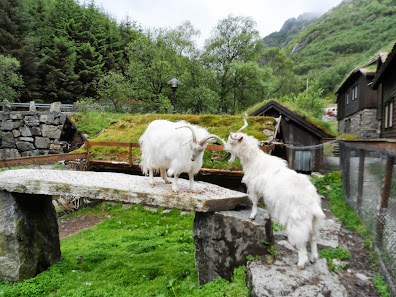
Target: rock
(16,116)
(35,131)
(9,153)
(121,188)
(27,139)
(224,239)
(10,125)
(55,107)
(7,140)
(31,120)
(329,234)
(49,119)
(32,106)
(283,278)
(25,131)
(31,153)
(50,131)
(41,142)
(16,133)
(362,277)
(29,238)
(24,146)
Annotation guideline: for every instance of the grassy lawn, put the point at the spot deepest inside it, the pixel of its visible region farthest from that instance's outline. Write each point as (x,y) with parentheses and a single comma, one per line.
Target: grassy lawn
(134,252)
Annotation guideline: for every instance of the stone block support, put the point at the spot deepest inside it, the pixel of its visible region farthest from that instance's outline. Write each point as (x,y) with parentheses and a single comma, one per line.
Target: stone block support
(29,237)
(224,239)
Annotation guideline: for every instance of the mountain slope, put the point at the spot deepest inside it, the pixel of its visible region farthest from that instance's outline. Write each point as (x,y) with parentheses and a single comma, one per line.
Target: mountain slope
(343,38)
(289,30)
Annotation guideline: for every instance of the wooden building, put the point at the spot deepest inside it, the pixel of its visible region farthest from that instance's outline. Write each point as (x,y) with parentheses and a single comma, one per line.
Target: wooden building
(295,131)
(357,102)
(384,83)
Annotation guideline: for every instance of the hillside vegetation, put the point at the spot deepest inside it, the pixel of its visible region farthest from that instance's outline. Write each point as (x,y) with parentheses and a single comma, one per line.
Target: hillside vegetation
(345,37)
(289,30)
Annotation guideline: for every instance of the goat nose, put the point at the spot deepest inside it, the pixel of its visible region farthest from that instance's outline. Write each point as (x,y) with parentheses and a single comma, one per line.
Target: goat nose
(192,159)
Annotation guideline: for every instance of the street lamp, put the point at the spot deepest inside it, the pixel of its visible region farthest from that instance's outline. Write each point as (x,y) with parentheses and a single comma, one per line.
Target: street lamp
(174,83)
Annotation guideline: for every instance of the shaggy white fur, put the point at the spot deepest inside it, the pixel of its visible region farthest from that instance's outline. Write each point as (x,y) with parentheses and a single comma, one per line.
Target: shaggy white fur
(290,197)
(165,146)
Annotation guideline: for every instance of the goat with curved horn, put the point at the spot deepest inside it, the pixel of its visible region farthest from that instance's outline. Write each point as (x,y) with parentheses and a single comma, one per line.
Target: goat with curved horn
(169,150)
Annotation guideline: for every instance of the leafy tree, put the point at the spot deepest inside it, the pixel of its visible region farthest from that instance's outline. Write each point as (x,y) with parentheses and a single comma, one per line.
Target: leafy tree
(151,65)
(234,39)
(250,84)
(113,89)
(10,80)
(286,81)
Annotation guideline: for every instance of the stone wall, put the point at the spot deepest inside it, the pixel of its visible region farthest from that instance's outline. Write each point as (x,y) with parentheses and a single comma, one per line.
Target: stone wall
(31,133)
(363,123)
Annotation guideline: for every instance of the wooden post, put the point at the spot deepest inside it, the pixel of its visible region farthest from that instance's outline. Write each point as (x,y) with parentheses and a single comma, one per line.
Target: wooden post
(88,152)
(385,197)
(362,154)
(345,160)
(130,155)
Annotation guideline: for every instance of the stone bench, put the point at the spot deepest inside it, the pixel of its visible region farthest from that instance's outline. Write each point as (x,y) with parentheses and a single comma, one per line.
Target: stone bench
(29,238)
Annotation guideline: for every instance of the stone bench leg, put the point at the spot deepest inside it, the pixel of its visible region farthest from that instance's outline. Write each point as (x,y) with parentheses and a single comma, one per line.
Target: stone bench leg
(29,236)
(224,239)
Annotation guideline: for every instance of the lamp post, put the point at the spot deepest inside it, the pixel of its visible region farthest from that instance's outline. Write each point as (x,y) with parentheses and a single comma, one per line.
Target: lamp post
(174,83)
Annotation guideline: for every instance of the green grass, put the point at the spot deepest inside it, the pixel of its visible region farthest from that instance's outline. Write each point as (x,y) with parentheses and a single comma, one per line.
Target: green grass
(134,252)
(129,128)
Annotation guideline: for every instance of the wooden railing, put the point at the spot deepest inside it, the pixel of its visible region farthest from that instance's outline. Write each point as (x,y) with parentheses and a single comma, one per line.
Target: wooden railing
(130,145)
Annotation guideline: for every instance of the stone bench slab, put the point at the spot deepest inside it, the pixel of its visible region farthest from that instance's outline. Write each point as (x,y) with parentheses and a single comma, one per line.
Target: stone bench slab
(121,188)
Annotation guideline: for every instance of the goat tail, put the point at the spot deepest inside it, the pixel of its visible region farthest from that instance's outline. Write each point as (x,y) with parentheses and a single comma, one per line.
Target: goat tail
(317,219)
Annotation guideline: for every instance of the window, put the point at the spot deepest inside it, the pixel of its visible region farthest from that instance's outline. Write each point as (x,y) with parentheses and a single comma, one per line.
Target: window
(354,92)
(347,98)
(388,115)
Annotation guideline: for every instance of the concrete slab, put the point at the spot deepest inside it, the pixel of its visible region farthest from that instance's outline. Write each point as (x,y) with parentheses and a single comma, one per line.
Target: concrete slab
(121,188)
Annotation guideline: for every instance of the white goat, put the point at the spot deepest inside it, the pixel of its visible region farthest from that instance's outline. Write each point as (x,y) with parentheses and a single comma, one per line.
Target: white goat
(290,198)
(165,146)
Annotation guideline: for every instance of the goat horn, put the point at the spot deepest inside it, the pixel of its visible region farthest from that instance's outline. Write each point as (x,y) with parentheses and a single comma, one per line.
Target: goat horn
(192,131)
(245,125)
(203,141)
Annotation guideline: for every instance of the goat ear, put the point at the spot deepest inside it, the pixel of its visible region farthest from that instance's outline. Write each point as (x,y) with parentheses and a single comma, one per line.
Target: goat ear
(240,139)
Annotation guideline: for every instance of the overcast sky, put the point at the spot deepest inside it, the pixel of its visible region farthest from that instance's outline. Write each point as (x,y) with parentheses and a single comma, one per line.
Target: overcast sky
(204,14)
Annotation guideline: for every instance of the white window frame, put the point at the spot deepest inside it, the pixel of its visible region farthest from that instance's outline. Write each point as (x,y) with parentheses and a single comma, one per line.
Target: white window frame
(390,114)
(386,116)
(347,98)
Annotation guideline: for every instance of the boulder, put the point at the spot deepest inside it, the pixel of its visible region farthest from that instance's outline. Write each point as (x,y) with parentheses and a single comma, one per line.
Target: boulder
(9,153)
(55,107)
(7,140)
(283,278)
(24,146)
(41,142)
(29,238)
(51,131)
(224,240)
(25,131)
(31,121)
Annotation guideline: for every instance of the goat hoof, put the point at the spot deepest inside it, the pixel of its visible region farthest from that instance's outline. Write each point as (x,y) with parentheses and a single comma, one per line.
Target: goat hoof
(152,184)
(168,182)
(252,218)
(301,267)
(313,259)
(193,191)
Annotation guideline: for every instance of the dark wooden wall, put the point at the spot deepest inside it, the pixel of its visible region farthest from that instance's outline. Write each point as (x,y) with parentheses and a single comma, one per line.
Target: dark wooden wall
(389,94)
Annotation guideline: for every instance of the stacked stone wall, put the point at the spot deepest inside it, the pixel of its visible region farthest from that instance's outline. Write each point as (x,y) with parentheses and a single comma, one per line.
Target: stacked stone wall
(363,123)
(31,133)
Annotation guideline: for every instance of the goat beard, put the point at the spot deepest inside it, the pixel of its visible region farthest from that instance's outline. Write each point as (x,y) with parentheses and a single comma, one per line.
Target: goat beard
(232,159)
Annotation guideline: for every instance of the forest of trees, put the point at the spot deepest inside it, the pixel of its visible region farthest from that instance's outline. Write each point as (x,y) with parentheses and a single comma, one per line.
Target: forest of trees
(60,50)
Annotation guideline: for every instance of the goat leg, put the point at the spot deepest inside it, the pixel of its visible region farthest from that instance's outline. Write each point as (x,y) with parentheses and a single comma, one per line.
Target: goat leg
(254,198)
(164,176)
(151,177)
(191,178)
